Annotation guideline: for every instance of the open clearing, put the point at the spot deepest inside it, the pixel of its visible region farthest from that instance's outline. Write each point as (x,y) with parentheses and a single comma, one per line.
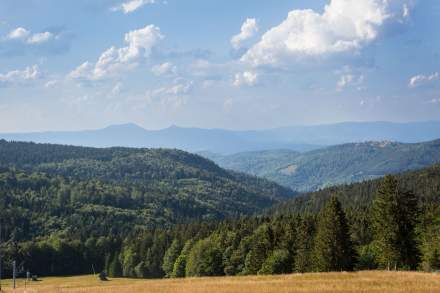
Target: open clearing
(376,281)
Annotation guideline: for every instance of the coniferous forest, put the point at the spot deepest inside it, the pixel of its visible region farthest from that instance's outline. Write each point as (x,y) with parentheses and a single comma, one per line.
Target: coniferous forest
(166,213)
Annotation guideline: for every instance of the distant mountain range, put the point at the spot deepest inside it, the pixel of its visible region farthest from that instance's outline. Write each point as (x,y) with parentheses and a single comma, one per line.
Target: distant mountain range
(347,163)
(298,138)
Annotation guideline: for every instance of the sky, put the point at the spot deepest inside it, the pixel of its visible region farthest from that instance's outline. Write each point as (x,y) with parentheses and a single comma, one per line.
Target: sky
(248,64)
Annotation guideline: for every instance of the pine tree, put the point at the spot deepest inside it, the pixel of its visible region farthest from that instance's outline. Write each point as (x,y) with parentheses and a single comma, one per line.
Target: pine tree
(333,248)
(170,257)
(304,244)
(180,264)
(394,219)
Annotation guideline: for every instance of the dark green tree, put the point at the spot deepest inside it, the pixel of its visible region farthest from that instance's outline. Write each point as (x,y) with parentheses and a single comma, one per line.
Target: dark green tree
(333,248)
(261,247)
(279,262)
(304,243)
(115,267)
(394,219)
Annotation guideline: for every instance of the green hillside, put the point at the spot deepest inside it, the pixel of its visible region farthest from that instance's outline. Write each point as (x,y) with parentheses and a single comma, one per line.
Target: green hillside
(334,165)
(51,189)
(424,182)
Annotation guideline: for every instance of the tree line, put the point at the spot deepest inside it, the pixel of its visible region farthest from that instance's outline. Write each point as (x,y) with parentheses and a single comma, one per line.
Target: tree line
(396,231)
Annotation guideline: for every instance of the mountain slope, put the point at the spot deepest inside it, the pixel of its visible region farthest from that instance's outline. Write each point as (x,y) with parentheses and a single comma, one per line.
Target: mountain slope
(52,189)
(425,183)
(334,165)
(299,138)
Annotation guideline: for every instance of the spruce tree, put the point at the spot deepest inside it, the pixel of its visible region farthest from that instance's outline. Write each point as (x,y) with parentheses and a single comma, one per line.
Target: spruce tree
(180,264)
(393,220)
(304,243)
(170,257)
(333,247)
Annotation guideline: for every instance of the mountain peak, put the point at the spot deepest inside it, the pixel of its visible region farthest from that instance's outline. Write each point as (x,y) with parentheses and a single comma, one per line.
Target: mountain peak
(125,126)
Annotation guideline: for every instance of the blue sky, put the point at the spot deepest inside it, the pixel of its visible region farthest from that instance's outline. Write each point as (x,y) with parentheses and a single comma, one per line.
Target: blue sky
(245,64)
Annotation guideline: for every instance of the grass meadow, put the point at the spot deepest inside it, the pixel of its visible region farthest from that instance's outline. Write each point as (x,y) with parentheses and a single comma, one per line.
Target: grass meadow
(371,281)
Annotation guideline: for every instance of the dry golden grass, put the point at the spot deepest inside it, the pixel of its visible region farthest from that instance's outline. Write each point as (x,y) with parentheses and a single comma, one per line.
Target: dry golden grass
(374,281)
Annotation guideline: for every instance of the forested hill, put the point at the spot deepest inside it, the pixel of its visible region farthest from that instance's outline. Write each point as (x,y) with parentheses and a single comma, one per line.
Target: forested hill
(52,189)
(340,164)
(425,183)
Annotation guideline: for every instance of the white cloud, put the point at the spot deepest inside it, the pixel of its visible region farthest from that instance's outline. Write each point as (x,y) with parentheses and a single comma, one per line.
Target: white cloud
(175,95)
(164,69)
(40,38)
(133,5)
(422,79)
(51,83)
(181,88)
(18,34)
(248,30)
(349,79)
(20,76)
(249,78)
(116,60)
(344,25)
(22,34)
(405,11)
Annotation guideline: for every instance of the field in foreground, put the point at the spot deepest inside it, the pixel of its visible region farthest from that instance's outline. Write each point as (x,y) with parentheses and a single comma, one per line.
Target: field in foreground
(376,281)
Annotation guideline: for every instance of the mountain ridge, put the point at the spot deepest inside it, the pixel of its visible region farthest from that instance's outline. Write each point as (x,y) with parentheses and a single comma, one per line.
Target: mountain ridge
(223,141)
(339,164)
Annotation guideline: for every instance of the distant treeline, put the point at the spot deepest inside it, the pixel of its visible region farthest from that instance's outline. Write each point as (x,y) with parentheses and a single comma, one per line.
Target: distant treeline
(397,230)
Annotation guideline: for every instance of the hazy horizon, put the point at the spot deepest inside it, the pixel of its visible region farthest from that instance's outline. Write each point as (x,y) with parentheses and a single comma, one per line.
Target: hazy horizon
(218,128)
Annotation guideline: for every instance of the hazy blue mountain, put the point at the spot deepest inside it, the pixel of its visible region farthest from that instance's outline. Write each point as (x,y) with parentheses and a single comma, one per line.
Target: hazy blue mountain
(333,165)
(298,138)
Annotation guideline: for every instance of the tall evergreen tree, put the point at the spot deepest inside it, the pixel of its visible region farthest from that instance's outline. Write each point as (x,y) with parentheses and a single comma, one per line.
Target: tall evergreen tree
(170,257)
(394,218)
(333,247)
(304,243)
(180,264)
(261,248)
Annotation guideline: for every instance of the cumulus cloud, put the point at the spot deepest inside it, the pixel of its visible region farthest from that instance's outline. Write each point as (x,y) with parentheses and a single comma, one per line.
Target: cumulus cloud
(344,25)
(174,95)
(18,34)
(115,60)
(133,5)
(422,79)
(248,30)
(249,78)
(22,34)
(164,69)
(40,38)
(20,76)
